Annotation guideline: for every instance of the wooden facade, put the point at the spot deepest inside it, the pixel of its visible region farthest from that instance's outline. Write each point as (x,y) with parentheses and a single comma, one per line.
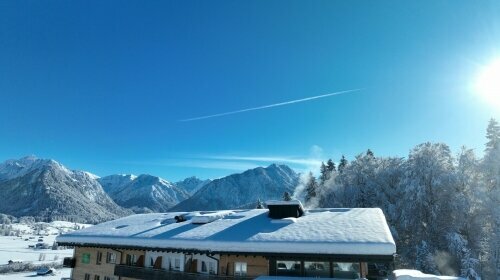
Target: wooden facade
(127,264)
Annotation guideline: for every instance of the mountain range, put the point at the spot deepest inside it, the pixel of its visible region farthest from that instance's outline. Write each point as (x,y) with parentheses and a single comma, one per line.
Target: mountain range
(47,190)
(237,190)
(143,193)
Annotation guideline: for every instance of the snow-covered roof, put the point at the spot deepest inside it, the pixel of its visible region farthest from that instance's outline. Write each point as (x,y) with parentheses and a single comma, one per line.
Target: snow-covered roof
(356,231)
(284,202)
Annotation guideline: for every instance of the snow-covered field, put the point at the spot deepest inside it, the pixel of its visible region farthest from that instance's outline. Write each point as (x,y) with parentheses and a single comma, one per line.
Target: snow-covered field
(65,272)
(16,248)
(19,247)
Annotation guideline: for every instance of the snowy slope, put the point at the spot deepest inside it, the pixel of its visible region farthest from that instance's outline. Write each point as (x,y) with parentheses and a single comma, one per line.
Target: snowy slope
(192,184)
(144,193)
(246,188)
(46,189)
(113,183)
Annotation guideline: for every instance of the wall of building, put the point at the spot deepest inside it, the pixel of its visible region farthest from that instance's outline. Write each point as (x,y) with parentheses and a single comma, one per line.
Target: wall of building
(92,267)
(168,260)
(256,266)
(124,254)
(208,262)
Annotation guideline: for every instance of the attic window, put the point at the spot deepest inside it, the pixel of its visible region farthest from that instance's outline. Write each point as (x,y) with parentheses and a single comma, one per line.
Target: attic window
(285,209)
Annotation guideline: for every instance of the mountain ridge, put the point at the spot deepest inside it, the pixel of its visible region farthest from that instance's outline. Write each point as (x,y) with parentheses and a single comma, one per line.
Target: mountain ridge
(47,190)
(243,188)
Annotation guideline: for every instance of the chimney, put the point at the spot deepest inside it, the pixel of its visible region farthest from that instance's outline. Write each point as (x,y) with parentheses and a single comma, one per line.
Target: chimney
(284,209)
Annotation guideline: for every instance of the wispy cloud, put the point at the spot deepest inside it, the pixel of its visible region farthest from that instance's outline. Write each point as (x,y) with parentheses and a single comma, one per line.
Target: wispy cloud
(271,159)
(269,106)
(204,163)
(236,162)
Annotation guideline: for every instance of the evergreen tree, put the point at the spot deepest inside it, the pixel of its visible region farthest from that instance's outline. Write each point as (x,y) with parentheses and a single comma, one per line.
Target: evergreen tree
(330,166)
(311,187)
(342,164)
(323,174)
(370,153)
(286,196)
(259,204)
(425,261)
(491,171)
(493,135)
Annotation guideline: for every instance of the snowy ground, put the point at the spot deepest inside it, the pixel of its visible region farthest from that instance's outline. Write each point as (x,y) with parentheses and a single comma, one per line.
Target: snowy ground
(409,274)
(16,248)
(65,272)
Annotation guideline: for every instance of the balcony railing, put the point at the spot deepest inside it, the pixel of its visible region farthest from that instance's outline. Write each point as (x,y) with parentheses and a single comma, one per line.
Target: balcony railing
(148,273)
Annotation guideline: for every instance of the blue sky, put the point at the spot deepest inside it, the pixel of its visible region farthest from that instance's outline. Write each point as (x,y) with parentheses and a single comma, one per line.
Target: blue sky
(102,85)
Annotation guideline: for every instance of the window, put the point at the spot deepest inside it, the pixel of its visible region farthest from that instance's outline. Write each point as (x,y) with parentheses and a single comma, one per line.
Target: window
(288,268)
(108,278)
(177,264)
(203,267)
(131,259)
(240,269)
(86,258)
(317,269)
(87,276)
(211,268)
(97,277)
(110,257)
(98,258)
(346,270)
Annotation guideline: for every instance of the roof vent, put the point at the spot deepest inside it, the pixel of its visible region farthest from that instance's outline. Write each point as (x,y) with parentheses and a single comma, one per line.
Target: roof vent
(284,209)
(180,219)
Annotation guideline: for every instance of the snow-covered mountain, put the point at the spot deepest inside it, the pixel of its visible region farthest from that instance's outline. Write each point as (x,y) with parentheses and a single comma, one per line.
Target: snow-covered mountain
(239,189)
(192,184)
(45,189)
(143,193)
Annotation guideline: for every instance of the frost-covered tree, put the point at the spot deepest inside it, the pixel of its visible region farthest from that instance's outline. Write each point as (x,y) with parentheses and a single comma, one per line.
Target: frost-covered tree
(443,211)
(311,187)
(342,163)
(370,153)
(286,196)
(429,183)
(324,174)
(425,259)
(260,205)
(491,171)
(330,166)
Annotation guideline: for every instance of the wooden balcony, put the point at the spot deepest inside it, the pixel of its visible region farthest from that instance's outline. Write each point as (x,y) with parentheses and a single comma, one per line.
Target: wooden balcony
(148,273)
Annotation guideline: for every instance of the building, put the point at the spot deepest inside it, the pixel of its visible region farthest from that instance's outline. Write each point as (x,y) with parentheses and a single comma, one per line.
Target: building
(284,240)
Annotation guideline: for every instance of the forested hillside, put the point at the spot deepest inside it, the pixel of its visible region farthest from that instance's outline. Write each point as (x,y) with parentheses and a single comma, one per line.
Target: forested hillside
(443,208)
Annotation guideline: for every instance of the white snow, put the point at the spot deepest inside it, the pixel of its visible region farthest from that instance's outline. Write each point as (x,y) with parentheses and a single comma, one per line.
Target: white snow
(208,218)
(409,274)
(357,231)
(60,273)
(91,175)
(15,248)
(283,202)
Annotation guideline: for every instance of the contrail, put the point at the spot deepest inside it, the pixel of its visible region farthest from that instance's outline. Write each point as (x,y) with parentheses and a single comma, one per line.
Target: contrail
(270,106)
